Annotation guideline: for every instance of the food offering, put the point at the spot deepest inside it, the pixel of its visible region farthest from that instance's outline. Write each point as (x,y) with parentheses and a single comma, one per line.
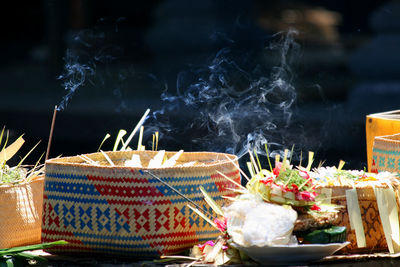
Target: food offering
(370,206)
(295,187)
(147,203)
(21,196)
(277,216)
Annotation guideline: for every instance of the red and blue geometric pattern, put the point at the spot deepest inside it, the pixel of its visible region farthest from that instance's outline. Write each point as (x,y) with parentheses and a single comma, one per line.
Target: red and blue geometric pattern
(103,218)
(121,211)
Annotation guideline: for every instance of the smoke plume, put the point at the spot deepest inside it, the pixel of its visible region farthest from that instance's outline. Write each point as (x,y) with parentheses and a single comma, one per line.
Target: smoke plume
(88,51)
(240,101)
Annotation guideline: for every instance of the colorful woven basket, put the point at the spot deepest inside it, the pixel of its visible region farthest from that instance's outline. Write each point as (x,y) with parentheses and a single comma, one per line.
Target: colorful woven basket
(121,210)
(380,124)
(21,213)
(386,153)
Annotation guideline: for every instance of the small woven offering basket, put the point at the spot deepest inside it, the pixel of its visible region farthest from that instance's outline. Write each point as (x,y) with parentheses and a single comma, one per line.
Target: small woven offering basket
(21,213)
(372,230)
(386,153)
(132,211)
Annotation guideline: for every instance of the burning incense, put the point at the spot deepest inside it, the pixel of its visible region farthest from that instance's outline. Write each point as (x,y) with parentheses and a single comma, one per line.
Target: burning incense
(51,133)
(135,130)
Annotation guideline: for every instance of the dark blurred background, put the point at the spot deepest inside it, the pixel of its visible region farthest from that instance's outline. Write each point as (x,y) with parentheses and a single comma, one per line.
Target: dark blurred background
(130,52)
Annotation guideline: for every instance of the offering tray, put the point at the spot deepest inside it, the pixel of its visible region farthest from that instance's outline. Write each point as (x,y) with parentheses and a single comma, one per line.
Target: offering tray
(291,254)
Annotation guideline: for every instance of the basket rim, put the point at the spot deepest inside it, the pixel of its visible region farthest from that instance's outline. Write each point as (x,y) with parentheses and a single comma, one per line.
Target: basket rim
(39,178)
(61,161)
(389,137)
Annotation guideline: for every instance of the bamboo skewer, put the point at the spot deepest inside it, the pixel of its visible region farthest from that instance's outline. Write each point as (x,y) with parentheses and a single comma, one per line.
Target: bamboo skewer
(152,146)
(107,158)
(88,160)
(231,180)
(178,257)
(140,146)
(253,162)
(240,170)
(175,190)
(84,159)
(156,135)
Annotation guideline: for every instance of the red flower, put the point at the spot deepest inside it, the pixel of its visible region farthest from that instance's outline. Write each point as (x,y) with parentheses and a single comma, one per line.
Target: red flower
(287,189)
(315,207)
(277,169)
(267,181)
(305,195)
(221,224)
(295,188)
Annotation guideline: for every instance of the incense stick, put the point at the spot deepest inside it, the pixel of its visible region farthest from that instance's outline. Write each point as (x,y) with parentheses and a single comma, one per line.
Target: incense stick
(51,133)
(136,128)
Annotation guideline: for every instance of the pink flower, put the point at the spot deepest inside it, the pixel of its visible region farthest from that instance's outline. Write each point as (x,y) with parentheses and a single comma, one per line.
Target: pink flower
(209,243)
(221,224)
(304,174)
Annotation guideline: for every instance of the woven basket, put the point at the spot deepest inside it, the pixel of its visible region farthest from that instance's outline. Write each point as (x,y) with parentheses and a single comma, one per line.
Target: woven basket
(386,153)
(21,213)
(121,210)
(373,230)
(380,124)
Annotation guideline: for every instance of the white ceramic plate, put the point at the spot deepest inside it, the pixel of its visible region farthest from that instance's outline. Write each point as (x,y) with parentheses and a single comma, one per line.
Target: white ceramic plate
(291,254)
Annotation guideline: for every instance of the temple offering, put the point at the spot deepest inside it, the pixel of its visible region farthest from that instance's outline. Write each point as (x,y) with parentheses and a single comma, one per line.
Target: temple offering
(276,214)
(370,207)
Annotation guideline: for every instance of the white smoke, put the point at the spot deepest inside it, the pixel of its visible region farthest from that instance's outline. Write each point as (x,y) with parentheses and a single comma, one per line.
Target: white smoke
(237,108)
